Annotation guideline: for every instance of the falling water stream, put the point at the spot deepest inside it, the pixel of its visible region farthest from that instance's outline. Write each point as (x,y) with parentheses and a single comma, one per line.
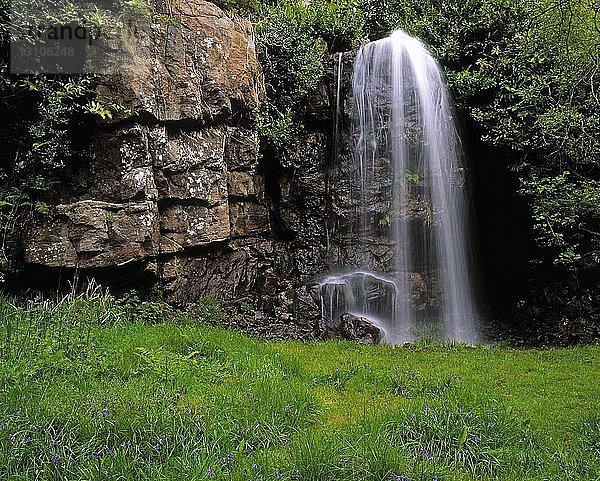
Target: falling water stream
(404,128)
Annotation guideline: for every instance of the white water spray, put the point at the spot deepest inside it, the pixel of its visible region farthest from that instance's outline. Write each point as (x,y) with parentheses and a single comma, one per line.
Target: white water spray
(405,127)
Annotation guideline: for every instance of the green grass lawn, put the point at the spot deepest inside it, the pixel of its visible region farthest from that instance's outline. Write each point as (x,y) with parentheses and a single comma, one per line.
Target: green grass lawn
(89,393)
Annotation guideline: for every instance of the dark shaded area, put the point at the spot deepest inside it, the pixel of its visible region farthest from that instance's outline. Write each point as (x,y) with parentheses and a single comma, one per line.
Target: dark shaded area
(60,281)
(502,227)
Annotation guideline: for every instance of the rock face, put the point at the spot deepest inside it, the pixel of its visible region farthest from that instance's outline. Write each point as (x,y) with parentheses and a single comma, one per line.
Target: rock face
(174,189)
(361,329)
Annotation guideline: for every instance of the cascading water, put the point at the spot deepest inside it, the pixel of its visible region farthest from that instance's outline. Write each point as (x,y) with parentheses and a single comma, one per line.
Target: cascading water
(407,158)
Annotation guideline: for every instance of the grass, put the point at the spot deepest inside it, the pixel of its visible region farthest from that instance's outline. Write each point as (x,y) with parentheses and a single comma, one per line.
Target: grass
(98,389)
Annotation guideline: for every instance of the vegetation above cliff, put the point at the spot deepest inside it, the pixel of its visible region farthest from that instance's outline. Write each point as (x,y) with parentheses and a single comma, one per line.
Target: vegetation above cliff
(94,388)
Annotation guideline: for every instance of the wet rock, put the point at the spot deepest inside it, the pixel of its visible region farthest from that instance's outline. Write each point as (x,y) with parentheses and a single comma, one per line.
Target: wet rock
(360,329)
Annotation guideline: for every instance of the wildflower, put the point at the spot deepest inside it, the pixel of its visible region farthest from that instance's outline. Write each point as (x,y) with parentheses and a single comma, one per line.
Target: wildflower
(586,424)
(254,466)
(427,408)
(343,462)
(435,478)
(96,455)
(230,456)
(188,411)
(287,407)
(209,472)
(106,412)
(278,474)
(55,459)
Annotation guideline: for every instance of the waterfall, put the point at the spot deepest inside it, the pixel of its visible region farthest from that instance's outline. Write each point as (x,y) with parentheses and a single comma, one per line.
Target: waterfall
(408,188)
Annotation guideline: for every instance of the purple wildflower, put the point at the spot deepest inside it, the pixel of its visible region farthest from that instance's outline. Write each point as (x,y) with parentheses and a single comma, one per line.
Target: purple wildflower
(55,459)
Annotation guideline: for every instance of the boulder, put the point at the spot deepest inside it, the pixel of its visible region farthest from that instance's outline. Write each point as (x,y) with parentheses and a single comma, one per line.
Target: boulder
(360,329)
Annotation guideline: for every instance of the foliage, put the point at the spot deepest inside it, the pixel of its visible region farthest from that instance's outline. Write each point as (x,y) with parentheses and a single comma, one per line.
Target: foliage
(565,212)
(93,388)
(293,40)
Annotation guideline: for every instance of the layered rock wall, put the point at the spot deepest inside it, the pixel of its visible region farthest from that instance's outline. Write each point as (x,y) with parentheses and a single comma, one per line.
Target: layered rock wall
(173,192)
